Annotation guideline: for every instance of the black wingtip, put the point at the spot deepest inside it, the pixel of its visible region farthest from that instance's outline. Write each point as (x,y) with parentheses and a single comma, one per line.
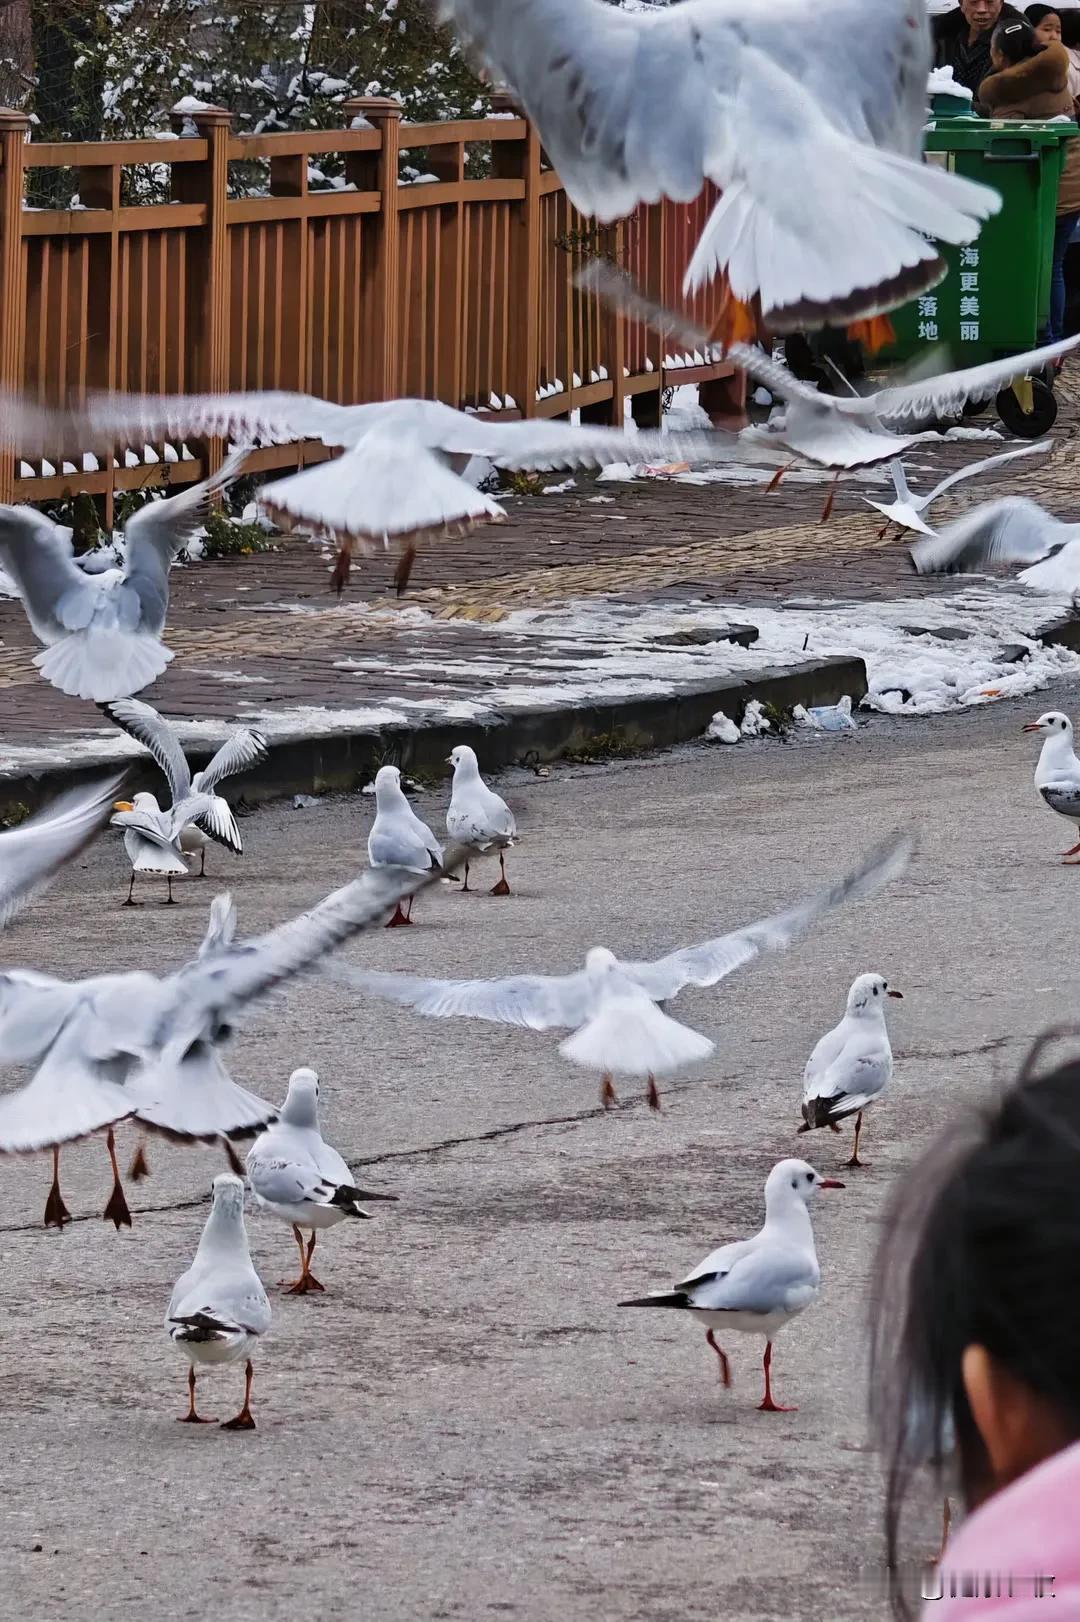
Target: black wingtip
(676,1299)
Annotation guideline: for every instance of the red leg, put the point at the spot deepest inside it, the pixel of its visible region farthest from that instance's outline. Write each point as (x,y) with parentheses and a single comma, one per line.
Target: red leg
(884,530)
(767,1404)
(191,1417)
(298,1286)
(117,1209)
(243,1420)
(653,1093)
(777,476)
(56,1212)
(398,919)
(502,888)
(139,1168)
(826,511)
(608,1096)
(1074,850)
(312,1281)
(725,1366)
(855,1162)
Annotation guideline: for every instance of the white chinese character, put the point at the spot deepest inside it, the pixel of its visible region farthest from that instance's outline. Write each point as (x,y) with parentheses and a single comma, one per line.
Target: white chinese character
(928,306)
(969,256)
(969,304)
(968,282)
(928,329)
(969,331)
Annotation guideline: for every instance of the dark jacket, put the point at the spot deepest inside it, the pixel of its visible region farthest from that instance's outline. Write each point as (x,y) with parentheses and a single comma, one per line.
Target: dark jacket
(970,63)
(1038,87)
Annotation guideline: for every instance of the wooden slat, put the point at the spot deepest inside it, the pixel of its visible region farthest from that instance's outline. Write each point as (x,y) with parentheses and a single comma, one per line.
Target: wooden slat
(316,205)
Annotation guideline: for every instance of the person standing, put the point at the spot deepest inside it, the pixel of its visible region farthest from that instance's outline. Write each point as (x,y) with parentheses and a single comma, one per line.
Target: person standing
(962,38)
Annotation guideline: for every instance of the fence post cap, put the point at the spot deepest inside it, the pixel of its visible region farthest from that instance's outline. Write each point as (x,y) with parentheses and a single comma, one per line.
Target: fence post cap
(203,114)
(12,119)
(503,100)
(371,108)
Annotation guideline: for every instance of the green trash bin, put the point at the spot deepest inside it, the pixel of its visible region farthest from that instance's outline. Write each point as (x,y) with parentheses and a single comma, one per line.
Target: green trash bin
(995,299)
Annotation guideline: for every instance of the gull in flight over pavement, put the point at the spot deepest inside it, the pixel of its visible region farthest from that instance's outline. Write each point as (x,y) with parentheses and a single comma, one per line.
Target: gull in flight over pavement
(145,1045)
(102,632)
(240,750)
(32,854)
(400,478)
(604,1003)
(908,507)
(1057,772)
(219,1308)
(1012,530)
(478,816)
(801,138)
(757,1285)
(297,1176)
(851,1065)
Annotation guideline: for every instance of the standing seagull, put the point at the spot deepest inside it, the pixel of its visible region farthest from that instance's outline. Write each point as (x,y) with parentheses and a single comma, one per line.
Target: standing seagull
(604,1003)
(599,83)
(102,632)
(1057,772)
(152,837)
(851,1065)
(296,1175)
(219,1308)
(240,750)
(477,815)
(757,1285)
(398,838)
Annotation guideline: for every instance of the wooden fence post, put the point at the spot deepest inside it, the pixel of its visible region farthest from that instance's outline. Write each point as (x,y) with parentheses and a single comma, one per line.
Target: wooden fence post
(520,160)
(209,275)
(380,290)
(13,128)
(647,406)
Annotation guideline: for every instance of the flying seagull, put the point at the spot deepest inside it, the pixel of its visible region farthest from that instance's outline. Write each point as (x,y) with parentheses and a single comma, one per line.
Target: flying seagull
(1011,530)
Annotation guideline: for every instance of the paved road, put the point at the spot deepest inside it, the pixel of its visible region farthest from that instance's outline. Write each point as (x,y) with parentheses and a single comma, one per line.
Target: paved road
(464,1426)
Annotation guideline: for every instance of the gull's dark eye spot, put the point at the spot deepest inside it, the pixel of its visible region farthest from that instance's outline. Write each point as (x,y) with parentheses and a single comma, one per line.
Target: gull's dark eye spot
(875,991)
(809,1177)
(794,1182)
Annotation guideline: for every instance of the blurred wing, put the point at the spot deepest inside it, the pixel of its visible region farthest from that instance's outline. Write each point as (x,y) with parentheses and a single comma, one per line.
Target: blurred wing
(239,751)
(540,1002)
(56,594)
(1012,530)
(543,446)
(945,396)
(33,853)
(272,418)
(704,965)
(158,531)
(777,377)
(143,723)
(983,466)
(388,484)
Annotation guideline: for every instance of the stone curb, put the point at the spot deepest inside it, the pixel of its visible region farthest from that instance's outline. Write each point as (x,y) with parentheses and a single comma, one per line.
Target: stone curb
(347,760)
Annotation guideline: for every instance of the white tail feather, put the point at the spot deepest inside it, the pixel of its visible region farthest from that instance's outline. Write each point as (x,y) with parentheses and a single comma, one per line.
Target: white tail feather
(102,665)
(632,1036)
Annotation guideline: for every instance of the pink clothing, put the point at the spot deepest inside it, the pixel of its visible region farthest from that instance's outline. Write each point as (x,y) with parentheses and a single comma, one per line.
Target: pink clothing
(1031,1530)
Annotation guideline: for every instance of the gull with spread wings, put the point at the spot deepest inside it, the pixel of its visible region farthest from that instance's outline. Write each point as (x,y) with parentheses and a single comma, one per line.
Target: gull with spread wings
(102,632)
(610,1004)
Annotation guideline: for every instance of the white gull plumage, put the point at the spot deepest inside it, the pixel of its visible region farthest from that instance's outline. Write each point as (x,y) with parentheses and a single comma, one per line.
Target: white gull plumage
(908,507)
(1012,530)
(608,1004)
(398,837)
(241,749)
(801,138)
(152,836)
(1057,771)
(102,632)
(477,816)
(32,853)
(219,1309)
(758,1285)
(851,1065)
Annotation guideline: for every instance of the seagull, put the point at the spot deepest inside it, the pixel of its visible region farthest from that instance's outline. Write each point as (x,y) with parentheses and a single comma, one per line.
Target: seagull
(219,1308)
(602,1003)
(477,815)
(296,1175)
(799,142)
(240,750)
(152,836)
(1012,530)
(757,1285)
(401,477)
(908,507)
(147,1046)
(851,1065)
(102,632)
(32,854)
(1057,773)
(398,838)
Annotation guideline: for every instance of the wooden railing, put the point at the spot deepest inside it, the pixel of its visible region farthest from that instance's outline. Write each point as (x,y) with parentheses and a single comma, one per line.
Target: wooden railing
(448,287)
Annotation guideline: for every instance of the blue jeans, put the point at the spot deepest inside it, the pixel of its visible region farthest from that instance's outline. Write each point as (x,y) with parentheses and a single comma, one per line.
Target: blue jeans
(1066,225)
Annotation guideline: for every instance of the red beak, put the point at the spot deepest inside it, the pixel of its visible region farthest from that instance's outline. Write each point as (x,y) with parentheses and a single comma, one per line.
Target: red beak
(1030,726)
(899,995)
(830,1182)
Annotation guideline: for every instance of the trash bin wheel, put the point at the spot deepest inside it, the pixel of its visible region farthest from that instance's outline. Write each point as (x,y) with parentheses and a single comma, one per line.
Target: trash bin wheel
(1028,425)
(975,408)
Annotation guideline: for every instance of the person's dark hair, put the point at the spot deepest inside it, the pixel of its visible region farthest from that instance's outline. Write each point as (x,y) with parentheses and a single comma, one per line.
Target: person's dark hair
(1015,39)
(1070,27)
(981,1237)
(1035,14)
